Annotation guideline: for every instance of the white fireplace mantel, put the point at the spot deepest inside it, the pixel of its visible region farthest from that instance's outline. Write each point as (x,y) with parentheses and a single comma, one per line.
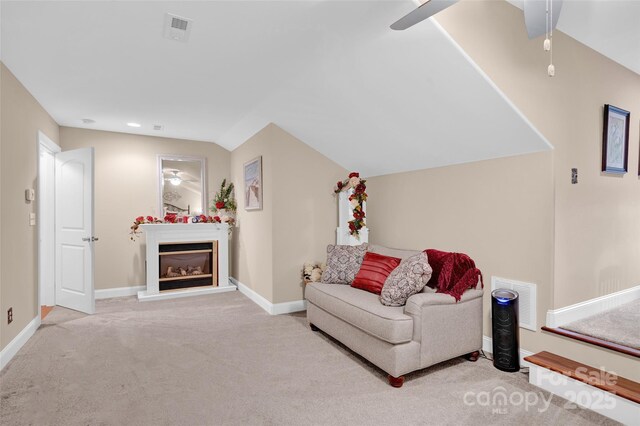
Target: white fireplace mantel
(160,233)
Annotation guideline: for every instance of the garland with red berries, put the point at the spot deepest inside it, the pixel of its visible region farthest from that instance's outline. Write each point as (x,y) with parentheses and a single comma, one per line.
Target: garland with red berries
(172,218)
(356,199)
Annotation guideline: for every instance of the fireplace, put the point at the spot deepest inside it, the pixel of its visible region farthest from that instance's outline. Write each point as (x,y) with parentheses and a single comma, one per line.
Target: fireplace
(186,265)
(198,254)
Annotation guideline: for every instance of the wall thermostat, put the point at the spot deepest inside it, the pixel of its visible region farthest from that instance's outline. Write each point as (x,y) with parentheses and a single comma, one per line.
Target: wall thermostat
(29,194)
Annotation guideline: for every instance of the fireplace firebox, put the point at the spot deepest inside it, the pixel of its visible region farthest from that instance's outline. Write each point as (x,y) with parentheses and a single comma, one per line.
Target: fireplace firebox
(186,265)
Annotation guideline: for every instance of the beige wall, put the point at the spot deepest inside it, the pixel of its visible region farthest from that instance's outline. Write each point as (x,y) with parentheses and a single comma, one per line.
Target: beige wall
(596,222)
(126,186)
(305,211)
(21,119)
(298,219)
(252,257)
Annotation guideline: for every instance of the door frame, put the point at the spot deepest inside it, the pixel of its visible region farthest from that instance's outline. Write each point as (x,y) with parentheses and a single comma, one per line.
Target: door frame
(45,144)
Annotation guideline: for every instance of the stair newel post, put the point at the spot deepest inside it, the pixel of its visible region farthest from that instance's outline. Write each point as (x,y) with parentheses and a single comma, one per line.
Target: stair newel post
(345,214)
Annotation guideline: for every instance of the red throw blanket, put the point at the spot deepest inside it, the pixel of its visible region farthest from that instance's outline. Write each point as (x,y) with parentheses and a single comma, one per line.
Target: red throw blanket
(453,273)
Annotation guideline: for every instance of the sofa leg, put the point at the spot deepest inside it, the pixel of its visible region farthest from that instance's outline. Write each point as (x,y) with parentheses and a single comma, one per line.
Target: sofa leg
(313,327)
(396,382)
(473,356)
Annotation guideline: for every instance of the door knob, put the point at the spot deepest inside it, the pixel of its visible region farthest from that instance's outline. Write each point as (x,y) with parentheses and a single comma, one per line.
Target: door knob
(86,239)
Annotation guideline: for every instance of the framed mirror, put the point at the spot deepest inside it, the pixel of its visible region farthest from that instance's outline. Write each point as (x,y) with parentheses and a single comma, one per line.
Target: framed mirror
(183,185)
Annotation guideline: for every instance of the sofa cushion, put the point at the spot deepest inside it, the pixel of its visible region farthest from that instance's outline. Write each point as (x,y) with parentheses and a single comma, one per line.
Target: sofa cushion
(362,310)
(343,263)
(374,271)
(402,254)
(386,251)
(406,280)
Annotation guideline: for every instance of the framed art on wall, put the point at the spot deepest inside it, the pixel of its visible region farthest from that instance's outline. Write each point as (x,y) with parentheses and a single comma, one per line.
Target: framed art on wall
(253,184)
(615,140)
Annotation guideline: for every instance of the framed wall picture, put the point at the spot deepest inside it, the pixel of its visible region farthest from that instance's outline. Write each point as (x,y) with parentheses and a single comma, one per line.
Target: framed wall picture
(253,184)
(615,140)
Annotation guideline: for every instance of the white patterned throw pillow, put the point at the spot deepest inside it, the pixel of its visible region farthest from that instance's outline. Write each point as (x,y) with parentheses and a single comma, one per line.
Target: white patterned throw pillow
(406,280)
(343,263)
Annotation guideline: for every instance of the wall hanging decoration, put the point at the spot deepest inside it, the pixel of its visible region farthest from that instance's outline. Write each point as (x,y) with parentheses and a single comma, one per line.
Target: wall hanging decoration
(253,184)
(615,140)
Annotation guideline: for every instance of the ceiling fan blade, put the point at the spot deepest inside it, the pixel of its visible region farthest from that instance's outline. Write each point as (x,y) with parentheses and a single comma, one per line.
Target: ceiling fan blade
(426,10)
(535,16)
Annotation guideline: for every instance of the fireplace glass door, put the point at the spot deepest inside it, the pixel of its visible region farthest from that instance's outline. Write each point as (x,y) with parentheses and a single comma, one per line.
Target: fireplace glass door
(185,265)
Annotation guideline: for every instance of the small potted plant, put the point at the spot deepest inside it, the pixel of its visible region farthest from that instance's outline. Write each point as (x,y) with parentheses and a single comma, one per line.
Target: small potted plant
(224,203)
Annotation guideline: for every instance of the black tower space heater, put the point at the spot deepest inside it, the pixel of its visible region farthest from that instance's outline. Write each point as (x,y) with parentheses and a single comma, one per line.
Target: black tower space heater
(504,313)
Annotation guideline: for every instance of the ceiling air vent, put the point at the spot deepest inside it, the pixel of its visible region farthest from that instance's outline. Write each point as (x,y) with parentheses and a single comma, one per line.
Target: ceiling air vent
(177,28)
(527,295)
(158,127)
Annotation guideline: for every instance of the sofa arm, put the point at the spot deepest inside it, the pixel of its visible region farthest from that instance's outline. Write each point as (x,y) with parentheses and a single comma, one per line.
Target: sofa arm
(445,328)
(418,301)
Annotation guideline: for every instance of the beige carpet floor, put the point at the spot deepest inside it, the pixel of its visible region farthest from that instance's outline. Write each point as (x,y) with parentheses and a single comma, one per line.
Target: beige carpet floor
(620,325)
(221,360)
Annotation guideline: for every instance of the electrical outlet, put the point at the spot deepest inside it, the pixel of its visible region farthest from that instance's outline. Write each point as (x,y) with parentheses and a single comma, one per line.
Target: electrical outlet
(574,176)
(10,316)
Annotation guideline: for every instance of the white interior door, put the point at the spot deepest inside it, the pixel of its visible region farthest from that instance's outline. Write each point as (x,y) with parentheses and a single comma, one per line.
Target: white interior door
(74,230)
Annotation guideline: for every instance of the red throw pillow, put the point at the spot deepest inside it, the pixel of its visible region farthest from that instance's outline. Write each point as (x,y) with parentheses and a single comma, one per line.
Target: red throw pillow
(374,271)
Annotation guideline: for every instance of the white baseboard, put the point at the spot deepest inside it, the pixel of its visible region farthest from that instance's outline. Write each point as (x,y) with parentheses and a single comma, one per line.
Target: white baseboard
(271,308)
(288,307)
(143,296)
(584,395)
(487,347)
(108,293)
(559,317)
(14,346)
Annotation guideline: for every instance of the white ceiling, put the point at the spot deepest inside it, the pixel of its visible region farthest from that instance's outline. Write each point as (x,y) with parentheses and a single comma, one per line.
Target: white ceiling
(610,27)
(331,73)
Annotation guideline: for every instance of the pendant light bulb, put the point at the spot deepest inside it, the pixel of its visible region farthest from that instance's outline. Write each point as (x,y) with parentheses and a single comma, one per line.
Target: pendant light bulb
(551,70)
(547,44)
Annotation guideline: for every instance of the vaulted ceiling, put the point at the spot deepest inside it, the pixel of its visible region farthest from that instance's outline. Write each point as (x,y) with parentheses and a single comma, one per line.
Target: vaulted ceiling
(332,73)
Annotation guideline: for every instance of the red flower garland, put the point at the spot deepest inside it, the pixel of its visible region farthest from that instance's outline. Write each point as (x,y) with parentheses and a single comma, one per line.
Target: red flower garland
(169,218)
(360,195)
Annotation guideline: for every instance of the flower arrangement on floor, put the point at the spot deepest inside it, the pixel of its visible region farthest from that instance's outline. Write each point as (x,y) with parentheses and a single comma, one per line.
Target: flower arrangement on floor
(356,199)
(171,218)
(312,272)
(224,202)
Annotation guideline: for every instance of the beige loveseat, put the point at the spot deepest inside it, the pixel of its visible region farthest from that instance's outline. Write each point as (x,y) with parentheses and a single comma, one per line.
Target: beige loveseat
(431,328)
